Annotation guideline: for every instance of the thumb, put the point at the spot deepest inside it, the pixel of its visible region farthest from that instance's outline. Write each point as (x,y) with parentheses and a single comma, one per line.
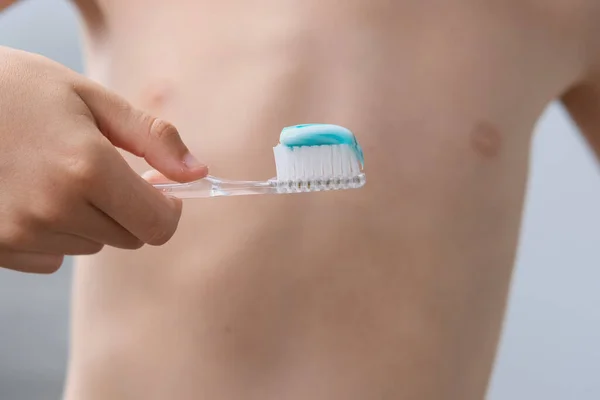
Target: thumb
(130,129)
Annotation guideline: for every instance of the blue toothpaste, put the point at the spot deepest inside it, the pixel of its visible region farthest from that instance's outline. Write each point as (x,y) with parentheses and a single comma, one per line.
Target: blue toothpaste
(319,135)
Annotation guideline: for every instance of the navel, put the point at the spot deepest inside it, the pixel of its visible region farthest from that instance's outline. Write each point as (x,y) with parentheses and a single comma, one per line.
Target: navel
(486,140)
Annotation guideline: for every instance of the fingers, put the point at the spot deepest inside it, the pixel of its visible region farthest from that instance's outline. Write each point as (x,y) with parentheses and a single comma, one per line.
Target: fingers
(132,202)
(30,262)
(58,243)
(157,141)
(98,227)
(69,245)
(40,249)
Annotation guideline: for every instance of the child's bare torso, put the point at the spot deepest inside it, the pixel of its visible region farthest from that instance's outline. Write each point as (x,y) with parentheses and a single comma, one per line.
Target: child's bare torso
(395,291)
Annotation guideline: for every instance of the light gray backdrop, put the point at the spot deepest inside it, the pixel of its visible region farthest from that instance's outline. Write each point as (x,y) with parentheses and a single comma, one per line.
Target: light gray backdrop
(550,348)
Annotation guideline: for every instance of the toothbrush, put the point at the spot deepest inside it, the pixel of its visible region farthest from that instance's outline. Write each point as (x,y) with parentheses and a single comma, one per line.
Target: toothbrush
(308,158)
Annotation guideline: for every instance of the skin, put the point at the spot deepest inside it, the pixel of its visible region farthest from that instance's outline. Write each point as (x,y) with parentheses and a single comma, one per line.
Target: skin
(395,291)
(59,168)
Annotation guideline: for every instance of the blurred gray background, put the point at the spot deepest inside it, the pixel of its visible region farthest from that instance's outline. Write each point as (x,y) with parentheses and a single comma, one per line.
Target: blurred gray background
(550,348)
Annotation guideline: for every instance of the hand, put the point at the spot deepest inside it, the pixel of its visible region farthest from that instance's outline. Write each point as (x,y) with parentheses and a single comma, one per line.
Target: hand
(64,187)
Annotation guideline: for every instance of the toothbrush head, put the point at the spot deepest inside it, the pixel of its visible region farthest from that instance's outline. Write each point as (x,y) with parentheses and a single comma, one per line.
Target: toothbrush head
(317,157)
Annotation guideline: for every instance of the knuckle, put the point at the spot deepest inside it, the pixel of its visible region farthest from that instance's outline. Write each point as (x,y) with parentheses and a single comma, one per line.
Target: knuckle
(15,234)
(161,233)
(158,235)
(162,130)
(50,214)
(119,104)
(83,166)
(163,223)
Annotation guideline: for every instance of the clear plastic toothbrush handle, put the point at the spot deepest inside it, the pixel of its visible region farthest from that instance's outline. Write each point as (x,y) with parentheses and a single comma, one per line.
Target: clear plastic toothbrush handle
(211,186)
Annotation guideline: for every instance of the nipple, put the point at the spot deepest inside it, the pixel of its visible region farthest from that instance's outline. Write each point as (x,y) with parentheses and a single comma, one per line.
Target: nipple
(486,140)
(156,95)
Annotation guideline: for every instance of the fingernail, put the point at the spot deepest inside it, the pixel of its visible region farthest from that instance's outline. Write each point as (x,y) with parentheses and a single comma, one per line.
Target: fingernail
(192,162)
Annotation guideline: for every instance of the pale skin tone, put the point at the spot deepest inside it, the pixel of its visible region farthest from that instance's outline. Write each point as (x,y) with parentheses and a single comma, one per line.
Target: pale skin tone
(395,291)
(59,169)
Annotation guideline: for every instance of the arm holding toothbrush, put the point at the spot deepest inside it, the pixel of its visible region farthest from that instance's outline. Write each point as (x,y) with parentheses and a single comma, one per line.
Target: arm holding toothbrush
(64,187)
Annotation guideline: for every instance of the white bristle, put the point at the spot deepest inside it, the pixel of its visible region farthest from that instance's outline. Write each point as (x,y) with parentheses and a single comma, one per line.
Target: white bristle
(313,163)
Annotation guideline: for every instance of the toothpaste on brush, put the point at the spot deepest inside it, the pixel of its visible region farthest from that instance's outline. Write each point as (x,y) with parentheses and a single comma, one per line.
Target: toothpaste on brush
(308,158)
